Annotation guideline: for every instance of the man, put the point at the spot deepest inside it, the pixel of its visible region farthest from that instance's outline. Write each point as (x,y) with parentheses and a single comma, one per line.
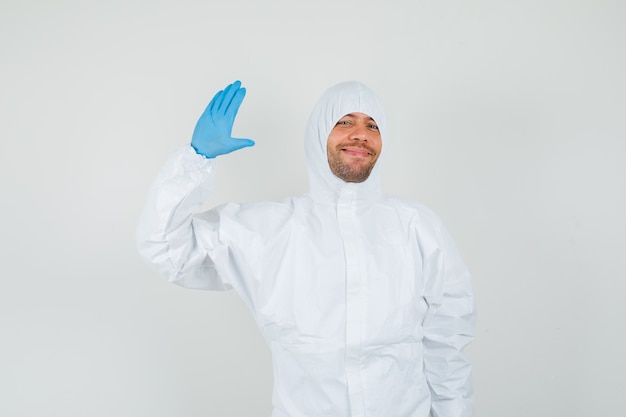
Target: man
(363,299)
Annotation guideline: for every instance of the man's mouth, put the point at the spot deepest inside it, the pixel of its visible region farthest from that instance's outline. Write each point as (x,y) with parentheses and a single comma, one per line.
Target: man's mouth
(357,151)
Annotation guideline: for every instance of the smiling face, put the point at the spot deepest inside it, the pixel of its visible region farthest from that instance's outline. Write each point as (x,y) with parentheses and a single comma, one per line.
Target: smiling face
(353,147)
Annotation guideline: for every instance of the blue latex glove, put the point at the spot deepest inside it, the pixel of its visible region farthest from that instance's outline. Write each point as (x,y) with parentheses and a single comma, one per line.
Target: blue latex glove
(212,135)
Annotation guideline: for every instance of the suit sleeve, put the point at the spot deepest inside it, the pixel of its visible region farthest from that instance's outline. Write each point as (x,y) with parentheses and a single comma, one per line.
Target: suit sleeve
(170,235)
(448,328)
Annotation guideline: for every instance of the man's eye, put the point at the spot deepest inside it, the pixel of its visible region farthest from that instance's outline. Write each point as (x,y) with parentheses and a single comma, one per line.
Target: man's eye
(373,127)
(343,122)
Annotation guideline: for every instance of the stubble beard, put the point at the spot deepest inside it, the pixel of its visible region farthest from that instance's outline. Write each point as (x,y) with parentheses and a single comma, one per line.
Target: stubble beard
(355,172)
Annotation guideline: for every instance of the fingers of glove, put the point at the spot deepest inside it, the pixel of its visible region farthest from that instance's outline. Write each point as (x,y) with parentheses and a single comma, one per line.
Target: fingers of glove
(229,94)
(236,144)
(245,142)
(233,108)
(215,103)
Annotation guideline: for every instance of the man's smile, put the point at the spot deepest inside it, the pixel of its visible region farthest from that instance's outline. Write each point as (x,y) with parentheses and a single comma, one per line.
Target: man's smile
(359,152)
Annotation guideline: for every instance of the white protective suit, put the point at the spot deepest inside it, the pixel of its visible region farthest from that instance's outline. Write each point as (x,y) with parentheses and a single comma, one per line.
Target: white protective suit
(362,298)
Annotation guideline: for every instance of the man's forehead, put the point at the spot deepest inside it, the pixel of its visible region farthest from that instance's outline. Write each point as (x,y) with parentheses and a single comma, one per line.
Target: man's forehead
(358,115)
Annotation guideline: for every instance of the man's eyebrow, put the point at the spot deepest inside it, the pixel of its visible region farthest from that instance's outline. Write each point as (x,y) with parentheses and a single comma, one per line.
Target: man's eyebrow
(353,115)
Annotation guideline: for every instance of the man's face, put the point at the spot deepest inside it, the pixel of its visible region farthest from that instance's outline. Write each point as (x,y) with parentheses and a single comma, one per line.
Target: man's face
(353,147)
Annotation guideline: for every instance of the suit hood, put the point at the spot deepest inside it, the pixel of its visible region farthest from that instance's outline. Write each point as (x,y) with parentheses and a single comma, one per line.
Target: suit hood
(339,100)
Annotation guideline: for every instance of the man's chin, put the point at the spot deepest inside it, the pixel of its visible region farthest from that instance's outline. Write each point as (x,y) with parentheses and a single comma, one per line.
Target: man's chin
(354,175)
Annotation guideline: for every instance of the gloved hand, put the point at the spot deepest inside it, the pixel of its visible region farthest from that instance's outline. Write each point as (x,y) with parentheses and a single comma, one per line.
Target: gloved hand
(212,134)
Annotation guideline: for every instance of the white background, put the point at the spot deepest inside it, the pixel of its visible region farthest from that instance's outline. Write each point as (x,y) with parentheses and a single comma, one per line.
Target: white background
(507,118)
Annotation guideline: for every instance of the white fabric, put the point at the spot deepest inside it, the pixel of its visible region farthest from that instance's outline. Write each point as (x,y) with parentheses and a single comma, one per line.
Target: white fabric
(362,298)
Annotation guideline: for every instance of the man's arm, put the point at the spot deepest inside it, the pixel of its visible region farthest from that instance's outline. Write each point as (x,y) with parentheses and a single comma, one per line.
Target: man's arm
(448,328)
(169,234)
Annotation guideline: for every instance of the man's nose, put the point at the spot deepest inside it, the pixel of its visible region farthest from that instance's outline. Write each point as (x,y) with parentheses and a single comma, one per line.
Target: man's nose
(359,133)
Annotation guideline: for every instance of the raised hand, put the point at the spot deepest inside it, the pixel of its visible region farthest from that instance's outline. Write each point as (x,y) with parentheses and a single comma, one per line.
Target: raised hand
(212,134)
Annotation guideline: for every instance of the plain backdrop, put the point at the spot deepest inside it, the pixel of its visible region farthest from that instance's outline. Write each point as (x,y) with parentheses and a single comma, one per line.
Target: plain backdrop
(508,118)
